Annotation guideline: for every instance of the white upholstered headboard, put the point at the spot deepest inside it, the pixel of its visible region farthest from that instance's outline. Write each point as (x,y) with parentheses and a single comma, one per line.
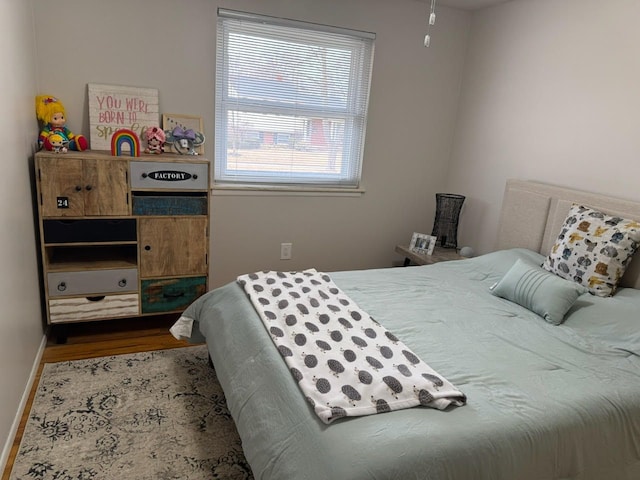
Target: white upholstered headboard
(532,215)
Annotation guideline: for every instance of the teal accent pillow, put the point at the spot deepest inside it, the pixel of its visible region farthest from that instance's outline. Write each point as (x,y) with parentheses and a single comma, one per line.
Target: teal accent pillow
(539,291)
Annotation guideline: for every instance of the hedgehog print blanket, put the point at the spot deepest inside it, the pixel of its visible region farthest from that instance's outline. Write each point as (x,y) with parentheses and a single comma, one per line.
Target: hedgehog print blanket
(345,363)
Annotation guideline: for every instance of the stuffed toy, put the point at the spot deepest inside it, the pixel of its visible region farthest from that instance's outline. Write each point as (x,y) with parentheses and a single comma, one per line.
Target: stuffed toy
(58,143)
(156,138)
(50,111)
(184,141)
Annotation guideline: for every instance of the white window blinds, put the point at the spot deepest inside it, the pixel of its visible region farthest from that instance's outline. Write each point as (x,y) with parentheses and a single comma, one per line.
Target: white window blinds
(291,101)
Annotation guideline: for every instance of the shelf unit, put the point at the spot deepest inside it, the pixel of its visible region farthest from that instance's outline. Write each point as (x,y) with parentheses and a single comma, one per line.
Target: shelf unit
(121,236)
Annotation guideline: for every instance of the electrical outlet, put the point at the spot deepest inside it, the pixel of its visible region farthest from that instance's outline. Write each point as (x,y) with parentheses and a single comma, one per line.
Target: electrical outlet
(285,251)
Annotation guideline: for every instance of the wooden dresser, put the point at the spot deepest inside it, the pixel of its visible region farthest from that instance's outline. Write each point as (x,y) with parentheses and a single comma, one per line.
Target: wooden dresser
(121,236)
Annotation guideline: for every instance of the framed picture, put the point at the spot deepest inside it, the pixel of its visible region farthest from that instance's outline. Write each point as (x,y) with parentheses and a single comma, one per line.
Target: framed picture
(172,120)
(116,107)
(422,243)
(432,244)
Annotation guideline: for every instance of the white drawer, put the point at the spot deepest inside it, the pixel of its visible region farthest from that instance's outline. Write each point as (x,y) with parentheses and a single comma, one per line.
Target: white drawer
(169,175)
(92,282)
(68,310)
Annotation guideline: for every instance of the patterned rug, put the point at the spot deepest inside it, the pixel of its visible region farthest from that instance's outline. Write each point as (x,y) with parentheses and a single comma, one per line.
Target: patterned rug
(154,415)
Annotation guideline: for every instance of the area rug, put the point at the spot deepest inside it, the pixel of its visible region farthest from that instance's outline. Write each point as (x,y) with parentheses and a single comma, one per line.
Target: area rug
(155,415)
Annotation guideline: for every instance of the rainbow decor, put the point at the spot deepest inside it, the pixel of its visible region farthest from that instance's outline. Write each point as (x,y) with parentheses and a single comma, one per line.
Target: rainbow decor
(125,136)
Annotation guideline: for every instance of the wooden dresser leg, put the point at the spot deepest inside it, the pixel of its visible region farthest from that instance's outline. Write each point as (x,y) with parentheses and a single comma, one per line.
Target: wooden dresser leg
(61,332)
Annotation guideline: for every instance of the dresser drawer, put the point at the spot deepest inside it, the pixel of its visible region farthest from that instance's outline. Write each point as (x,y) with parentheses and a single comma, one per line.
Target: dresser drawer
(170,294)
(169,175)
(94,230)
(170,205)
(68,310)
(92,282)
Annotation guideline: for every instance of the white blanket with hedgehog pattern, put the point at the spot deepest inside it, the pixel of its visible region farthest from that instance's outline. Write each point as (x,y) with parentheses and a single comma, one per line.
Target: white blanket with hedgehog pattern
(345,363)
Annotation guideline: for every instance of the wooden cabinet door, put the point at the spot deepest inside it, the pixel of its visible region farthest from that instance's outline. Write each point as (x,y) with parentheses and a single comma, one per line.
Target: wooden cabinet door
(173,246)
(61,187)
(105,187)
(73,187)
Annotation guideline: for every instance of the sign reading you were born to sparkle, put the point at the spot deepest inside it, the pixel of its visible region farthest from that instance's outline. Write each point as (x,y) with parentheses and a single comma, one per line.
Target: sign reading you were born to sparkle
(113,107)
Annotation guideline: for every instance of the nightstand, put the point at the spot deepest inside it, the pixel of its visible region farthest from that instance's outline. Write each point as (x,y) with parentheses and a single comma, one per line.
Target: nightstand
(439,255)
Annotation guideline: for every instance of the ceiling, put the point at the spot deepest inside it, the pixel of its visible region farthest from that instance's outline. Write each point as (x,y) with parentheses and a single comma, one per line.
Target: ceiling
(468,4)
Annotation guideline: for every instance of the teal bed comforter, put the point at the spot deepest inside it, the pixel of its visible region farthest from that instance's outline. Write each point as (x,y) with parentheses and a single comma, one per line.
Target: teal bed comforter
(543,401)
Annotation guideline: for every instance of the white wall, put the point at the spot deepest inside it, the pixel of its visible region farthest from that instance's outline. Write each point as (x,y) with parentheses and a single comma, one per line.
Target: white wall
(550,93)
(123,42)
(21,329)
(170,45)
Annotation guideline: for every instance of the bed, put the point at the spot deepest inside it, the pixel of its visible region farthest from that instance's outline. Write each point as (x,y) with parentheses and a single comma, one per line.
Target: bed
(546,398)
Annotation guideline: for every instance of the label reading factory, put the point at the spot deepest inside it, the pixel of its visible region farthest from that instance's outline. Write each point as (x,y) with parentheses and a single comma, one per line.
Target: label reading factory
(169,176)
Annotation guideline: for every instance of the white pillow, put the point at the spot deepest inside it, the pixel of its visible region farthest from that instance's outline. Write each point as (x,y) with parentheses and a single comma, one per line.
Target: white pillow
(594,249)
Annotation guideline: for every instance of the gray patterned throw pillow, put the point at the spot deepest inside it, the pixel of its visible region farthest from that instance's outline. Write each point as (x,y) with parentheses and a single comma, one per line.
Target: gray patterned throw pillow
(594,249)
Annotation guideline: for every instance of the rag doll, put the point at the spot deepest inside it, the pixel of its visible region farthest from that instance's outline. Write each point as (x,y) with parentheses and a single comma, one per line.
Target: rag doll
(155,137)
(50,111)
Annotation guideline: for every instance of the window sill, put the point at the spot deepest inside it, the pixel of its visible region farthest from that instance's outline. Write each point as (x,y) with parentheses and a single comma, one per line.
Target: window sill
(276,190)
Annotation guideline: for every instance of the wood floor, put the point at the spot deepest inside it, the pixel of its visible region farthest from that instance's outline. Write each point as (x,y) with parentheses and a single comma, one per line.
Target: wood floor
(96,340)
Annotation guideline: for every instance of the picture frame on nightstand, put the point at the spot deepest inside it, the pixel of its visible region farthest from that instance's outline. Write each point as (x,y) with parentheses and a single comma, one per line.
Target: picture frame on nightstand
(422,243)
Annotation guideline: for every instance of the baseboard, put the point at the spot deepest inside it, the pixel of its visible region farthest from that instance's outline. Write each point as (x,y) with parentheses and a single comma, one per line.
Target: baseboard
(23,403)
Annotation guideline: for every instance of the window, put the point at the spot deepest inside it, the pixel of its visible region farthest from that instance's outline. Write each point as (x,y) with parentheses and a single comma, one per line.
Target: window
(291,101)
